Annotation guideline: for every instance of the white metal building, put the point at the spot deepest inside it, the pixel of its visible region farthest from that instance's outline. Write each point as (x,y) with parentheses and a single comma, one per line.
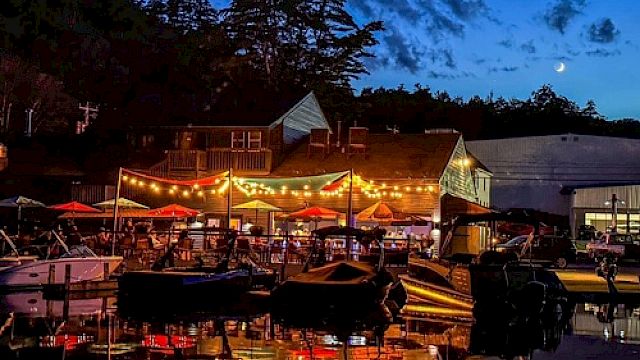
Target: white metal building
(529,172)
(591,206)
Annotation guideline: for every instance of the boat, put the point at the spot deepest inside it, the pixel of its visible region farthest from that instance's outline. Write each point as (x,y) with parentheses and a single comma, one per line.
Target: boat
(337,290)
(18,269)
(220,283)
(490,281)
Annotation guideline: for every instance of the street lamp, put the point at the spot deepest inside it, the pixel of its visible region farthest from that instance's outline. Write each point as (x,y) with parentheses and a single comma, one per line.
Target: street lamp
(614,202)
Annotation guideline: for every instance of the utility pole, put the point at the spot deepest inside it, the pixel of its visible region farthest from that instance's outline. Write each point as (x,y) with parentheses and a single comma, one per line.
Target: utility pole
(29,112)
(89,113)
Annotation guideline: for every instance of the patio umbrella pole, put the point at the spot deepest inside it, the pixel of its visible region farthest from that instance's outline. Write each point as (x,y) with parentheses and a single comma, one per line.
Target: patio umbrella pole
(230,197)
(349,212)
(19,217)
(115,212)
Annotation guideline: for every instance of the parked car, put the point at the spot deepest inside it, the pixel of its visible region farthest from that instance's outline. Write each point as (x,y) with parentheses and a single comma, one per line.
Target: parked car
(557,250)
(623,246)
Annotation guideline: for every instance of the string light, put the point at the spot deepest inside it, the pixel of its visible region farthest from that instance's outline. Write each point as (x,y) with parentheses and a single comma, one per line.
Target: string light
(185,193)
(200,193)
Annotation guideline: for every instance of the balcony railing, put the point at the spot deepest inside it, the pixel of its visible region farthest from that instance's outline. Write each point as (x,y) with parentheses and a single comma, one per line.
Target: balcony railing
(243,161)
(189,160)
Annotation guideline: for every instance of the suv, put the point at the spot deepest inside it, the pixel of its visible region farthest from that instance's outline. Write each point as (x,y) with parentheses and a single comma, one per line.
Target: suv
(558,250)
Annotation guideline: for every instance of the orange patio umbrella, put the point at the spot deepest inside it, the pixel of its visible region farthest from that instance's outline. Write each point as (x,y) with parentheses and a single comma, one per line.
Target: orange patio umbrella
(379,212)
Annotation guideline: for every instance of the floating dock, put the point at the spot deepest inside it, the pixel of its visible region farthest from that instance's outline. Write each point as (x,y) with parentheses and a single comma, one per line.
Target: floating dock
(584,284)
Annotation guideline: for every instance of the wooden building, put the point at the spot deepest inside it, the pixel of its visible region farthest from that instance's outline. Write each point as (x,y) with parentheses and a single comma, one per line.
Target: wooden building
(252,142)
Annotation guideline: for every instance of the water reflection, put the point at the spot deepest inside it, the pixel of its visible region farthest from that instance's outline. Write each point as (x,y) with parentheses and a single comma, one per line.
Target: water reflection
(34,327)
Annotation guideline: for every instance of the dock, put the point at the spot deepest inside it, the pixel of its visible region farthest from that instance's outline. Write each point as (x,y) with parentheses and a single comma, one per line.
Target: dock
(584,284)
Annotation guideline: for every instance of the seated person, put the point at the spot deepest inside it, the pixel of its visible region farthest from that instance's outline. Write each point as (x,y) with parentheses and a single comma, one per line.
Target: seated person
(154,242)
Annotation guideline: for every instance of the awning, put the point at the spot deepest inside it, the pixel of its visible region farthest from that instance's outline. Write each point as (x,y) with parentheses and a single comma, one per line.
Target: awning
(452,206)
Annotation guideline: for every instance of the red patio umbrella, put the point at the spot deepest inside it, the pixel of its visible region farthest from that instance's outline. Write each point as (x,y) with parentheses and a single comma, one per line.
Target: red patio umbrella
(74,207)
(174,210)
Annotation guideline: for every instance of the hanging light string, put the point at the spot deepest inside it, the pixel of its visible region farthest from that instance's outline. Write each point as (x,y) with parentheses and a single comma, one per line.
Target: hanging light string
(219,184)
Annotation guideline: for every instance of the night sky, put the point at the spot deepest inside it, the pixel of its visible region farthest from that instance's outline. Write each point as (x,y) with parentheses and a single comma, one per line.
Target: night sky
(510,48)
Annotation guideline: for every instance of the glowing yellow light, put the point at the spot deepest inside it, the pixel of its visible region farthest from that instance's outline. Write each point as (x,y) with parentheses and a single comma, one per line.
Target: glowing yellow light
(125,177)
(384,185)
(200,193)
(156,189)
(132,181)
(196,186)
(407,188)
(175,187)
(185,193)
(213,191)
(306,187)
(328,182)
(419,189)
(283,187)
(217,181)
(466,162)
(384,193)
(371,182)
(396,188)
(171,191)
(430,188)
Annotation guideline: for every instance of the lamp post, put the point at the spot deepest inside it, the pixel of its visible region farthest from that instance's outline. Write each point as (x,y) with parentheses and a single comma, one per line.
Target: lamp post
(613,202)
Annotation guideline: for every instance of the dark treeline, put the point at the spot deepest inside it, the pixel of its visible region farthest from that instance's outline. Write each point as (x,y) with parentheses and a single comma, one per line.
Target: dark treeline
(182,61)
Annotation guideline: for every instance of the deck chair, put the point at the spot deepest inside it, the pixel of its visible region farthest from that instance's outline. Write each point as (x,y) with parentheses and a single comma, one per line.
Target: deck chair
(357,143)
(319,139)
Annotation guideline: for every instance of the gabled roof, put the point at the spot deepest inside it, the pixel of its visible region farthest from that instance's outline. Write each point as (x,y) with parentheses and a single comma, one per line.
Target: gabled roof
(390,156)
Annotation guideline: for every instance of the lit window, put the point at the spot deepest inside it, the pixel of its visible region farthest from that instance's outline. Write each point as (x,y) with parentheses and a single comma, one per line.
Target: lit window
(255,139)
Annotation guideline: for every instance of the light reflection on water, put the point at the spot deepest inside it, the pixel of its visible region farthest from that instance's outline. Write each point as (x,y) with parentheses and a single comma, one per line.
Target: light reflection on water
(33,328)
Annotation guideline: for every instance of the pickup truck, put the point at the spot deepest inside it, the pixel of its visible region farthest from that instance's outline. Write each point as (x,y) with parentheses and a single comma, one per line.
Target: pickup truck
(622,246)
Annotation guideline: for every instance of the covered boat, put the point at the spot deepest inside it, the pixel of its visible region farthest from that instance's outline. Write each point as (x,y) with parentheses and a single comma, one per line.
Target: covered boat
(334,290)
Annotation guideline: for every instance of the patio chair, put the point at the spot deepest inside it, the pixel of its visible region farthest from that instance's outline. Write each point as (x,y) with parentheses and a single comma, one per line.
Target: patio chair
(357,142)
(319,139)
(185,250)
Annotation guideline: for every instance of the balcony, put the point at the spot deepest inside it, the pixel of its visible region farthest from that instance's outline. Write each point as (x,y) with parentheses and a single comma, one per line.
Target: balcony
(243,161)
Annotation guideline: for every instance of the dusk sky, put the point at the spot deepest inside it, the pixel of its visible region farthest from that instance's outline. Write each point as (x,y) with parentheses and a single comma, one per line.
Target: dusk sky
(510,48)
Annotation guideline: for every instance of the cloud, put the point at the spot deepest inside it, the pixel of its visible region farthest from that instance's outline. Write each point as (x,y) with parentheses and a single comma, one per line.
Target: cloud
(405,9)
(507,43)
(502,69)
(440,24)
(363,6)
(603,52)
(405,54)
(448,76)
(528,47)
(562,13)
(443,56)
(466,9)
(603,32)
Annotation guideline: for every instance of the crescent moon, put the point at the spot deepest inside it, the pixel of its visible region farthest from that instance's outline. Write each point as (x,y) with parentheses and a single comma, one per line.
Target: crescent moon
(560,67)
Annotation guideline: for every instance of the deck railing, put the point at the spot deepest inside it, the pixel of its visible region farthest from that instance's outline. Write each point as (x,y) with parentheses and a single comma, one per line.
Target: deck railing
(187,160)
(248,161)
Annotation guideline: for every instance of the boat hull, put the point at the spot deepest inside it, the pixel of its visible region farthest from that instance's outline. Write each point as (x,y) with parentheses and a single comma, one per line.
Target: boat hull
(197,287)
(35,274)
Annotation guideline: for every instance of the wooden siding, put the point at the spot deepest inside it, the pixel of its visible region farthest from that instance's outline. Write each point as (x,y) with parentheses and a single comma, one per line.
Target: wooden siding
(91,194)
(456,179)
(304,116)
